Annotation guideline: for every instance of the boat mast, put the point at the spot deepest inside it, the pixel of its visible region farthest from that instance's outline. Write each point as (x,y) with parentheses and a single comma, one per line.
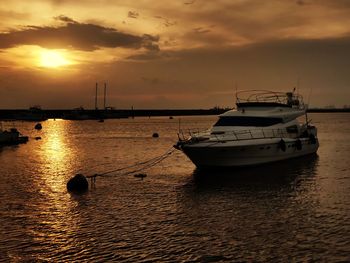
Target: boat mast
(307,106)
(104,97)
(236,91)
(96,97)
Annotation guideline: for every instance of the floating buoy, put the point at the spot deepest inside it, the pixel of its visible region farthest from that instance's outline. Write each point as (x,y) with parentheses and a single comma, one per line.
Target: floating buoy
(155,135)
(101,120)
(78,184)
(171,117)
(282,145)
(298,144)
(38,126)
(38,138)
(140,175)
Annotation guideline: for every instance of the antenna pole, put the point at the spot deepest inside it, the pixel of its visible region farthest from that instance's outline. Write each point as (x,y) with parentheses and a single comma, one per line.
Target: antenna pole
(96,97)
(104,97)
(308,103)
(236,87)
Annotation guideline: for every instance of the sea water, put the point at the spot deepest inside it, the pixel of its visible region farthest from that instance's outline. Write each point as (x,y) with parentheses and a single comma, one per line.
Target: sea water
(296,210)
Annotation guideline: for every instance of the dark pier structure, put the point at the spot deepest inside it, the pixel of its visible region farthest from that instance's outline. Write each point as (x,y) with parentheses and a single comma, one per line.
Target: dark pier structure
(83,114)
(98,114)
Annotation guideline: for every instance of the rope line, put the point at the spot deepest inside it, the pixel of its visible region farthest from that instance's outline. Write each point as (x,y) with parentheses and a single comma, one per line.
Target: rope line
(139,166)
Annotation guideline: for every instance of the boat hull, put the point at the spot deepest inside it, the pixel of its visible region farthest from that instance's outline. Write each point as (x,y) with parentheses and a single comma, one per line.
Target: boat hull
(238,154)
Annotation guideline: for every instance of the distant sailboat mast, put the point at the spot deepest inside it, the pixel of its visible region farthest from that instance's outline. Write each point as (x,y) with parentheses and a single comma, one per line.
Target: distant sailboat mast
(104,97)
(96,97)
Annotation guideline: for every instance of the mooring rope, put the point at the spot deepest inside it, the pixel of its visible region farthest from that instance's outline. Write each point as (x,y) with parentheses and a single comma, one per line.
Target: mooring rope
(142,165)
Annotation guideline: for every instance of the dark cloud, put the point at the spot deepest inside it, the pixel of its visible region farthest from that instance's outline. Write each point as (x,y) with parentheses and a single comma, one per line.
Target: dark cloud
(151,55)
(75,35)
(132,14)
(190,2)
(166,21)
(65,19)
(150,42)
(201,30)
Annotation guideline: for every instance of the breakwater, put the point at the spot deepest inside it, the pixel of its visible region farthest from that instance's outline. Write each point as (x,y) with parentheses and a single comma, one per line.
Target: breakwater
(21,114)
(37,115)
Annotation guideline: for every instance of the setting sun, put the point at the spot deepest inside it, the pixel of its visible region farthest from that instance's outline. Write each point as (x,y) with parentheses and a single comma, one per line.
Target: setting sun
(53,59)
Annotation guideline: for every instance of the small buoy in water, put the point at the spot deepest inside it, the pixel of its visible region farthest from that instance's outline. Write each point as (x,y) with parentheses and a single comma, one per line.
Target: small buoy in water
(101,120)
(38,126)
(78,184)
(171,117)
(140,175)
(155,135)
(38,138)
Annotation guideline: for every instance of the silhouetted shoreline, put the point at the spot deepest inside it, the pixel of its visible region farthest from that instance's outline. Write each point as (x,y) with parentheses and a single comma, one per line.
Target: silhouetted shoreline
(25,114)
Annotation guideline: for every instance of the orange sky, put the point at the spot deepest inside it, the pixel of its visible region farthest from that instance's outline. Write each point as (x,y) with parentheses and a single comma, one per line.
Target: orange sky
(171,54)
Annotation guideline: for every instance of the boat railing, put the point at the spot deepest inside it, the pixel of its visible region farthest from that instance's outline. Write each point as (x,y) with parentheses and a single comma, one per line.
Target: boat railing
(235,135)
(186,134)
(265,96)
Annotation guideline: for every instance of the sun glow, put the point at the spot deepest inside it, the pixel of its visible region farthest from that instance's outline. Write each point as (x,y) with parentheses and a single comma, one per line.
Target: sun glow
(53,59)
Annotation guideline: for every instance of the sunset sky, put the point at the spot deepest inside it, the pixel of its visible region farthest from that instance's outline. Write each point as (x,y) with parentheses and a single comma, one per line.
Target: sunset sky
(171,54)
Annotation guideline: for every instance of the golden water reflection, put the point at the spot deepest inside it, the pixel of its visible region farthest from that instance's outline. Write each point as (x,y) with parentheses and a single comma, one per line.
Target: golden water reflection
(54,158)
(56,154)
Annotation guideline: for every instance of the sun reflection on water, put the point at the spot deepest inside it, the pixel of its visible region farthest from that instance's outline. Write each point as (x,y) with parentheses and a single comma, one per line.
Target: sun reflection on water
(54,218)
(56,154)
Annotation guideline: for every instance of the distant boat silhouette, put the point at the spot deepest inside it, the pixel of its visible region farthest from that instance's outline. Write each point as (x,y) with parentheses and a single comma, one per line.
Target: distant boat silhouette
(34,113)
(77,114)
(11,137)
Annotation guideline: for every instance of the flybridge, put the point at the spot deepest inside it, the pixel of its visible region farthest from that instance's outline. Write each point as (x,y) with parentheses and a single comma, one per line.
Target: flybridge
(265,98)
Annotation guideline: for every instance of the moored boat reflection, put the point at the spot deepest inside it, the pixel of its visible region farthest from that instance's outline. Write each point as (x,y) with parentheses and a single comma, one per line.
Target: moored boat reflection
(274,175)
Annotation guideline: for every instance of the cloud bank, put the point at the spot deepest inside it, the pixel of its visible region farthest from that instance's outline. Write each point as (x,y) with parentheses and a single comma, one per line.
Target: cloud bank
(78,36)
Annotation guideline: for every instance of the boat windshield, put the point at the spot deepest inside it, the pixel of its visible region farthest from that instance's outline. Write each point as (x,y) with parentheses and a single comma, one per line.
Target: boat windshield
(247,121)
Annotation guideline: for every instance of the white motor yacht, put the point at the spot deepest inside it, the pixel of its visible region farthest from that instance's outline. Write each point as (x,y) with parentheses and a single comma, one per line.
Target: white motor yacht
(264,128)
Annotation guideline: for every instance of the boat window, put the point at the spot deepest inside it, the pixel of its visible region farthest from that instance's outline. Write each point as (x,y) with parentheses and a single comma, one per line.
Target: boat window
(292,129)
(247,121)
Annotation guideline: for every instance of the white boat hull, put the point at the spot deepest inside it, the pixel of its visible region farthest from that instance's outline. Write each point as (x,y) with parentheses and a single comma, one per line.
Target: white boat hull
(245,153)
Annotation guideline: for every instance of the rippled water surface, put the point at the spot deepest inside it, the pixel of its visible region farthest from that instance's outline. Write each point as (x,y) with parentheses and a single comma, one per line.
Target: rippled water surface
(287,211)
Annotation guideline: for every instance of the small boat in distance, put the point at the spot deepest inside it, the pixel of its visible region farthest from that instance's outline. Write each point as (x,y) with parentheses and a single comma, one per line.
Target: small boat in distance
(11,137)
(35,113)
(264,128)
(77,114)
